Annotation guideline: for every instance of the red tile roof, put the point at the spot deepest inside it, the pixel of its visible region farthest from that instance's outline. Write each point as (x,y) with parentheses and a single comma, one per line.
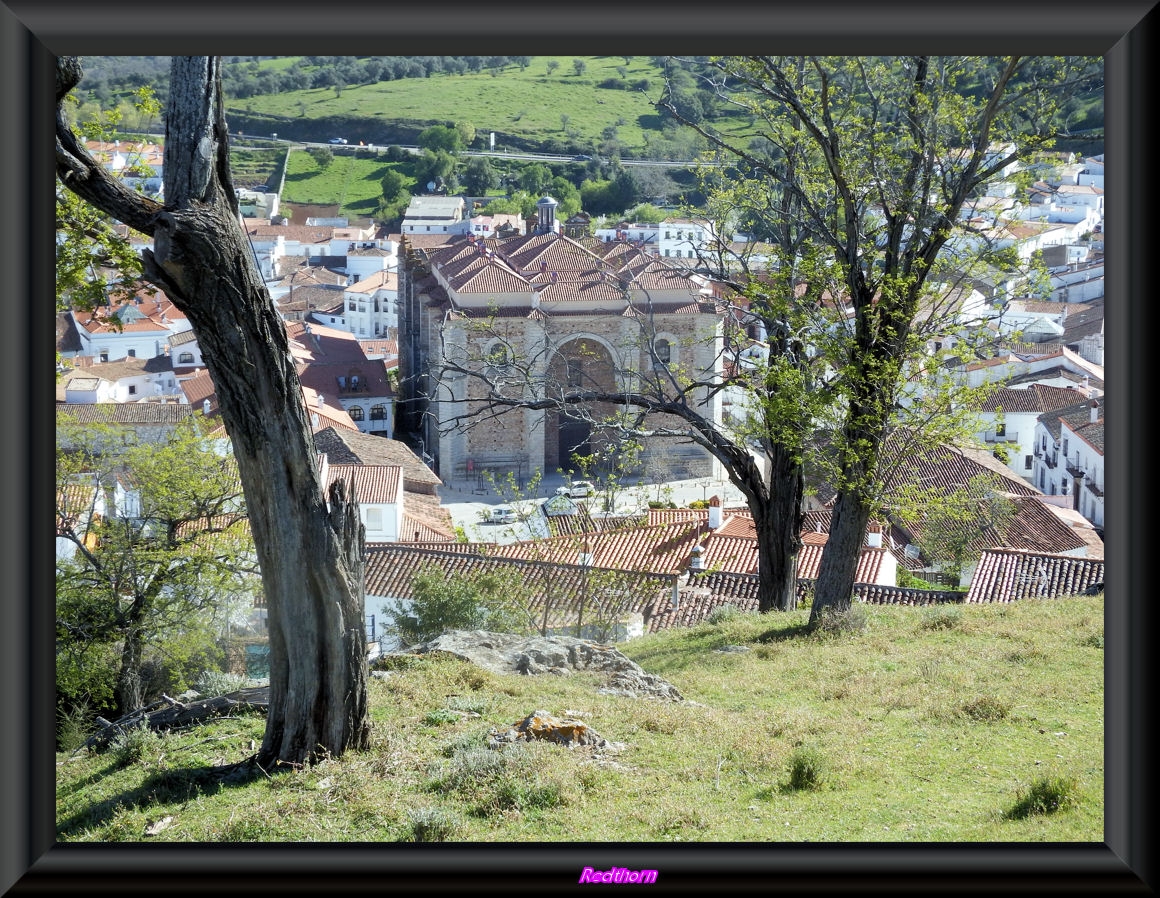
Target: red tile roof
(1006,575)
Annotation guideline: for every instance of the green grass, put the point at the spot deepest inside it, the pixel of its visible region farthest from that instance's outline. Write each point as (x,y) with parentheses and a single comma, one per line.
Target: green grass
(986,730)
(522,104)
(352,181)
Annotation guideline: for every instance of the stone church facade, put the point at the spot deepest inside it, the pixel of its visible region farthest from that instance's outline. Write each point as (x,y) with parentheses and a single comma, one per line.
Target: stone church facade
(542,315)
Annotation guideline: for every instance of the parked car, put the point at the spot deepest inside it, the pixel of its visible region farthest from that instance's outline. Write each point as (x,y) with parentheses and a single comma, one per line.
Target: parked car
(502,514)
(337,140)
(578,489)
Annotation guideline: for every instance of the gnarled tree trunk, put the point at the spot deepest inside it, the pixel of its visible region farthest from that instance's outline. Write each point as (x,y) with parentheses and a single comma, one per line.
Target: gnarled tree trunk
(310,556)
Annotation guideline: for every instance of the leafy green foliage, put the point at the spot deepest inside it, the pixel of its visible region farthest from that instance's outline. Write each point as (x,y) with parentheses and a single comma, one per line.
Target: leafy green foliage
(155,561)
(807,769)
(94,260)
(442,602)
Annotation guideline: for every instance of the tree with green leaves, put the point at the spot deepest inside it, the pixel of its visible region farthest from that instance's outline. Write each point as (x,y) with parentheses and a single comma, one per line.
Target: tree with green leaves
(952,523)
(878,158)
(323,157)
(479,176)
(441,601)
(442,138)
(309,542)
(154,549)
(535,178)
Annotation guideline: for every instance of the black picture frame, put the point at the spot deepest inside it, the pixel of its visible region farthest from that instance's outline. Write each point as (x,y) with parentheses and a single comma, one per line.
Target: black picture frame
(31,32)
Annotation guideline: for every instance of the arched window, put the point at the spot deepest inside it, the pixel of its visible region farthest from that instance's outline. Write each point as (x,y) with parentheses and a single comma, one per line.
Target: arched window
(575,373)
(356,412)
(664,350)
(497,356)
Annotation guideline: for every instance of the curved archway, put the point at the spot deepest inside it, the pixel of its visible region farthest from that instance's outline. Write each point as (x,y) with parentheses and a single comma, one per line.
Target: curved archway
(580,363)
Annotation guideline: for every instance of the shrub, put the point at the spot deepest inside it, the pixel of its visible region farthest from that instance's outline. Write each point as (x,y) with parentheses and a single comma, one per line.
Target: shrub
(432,824)
(838,622)
(722,613)
(213,683)
(941,617)
(471,767)
(1046,795)
(133,744)
(73,727)
(442,602)
(807,769)
(440,716)
(986,708)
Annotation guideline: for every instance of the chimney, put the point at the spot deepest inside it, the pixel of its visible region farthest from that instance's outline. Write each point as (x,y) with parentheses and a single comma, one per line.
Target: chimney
(205,407)
(1095,411)
(321,401)
(714,513)
(314,419)
(696,562)
(874,536)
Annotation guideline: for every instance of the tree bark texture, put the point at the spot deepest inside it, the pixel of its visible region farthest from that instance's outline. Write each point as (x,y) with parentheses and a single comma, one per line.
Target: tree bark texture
(310,556)
(778,522)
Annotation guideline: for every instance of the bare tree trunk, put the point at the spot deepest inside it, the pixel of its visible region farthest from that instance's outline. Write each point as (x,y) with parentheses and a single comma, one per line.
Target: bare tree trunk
(863,435)
(843,550)
(129,692)
(311,557)
(778,523)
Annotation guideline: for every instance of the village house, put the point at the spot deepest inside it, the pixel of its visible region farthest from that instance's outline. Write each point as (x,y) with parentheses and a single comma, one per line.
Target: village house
(333,365)
(1069,457)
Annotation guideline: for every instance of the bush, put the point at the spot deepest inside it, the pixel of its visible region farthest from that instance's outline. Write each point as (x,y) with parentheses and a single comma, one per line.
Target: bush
(807,769)
(1045,796)
(838,622)
(986,708)
(442,602)
(440,716)
(941,617)
(73,727)
(722,613)
(432,824)
(133,745)
(213,683)
(513,776)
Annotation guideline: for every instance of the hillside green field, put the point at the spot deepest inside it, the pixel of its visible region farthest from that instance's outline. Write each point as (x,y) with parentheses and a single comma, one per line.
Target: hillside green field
(977,723)
(523,107)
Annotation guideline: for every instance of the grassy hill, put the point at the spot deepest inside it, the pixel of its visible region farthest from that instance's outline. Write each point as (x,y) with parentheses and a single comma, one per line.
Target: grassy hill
(950,724)
(525,107)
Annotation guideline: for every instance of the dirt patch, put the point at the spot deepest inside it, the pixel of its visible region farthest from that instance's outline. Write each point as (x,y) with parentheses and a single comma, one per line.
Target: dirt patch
(299,213)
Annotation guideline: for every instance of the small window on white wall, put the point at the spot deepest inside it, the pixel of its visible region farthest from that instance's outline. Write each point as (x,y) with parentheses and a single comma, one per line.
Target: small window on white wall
(374,519)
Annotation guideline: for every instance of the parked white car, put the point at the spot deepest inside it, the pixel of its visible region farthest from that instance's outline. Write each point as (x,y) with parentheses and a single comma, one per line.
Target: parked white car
(502,514)
(578,489)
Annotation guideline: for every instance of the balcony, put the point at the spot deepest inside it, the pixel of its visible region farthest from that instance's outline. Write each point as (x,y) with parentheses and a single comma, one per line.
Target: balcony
(993,436)
(1091,487)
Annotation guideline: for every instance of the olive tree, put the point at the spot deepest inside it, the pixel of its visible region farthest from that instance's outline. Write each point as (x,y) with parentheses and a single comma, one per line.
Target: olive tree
(877,159)
(309,545)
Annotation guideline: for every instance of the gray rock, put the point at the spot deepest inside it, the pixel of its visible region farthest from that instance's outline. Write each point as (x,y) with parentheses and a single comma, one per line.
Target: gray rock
(507,653)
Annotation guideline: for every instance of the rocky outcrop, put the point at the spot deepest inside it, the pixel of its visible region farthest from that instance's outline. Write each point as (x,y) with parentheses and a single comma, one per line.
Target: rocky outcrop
(543,726)
(507,653)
